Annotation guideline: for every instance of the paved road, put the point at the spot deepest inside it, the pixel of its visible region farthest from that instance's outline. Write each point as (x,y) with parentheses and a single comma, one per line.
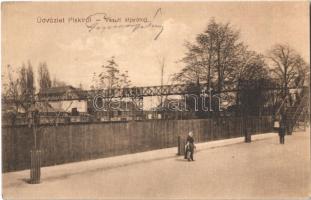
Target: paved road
(260,169)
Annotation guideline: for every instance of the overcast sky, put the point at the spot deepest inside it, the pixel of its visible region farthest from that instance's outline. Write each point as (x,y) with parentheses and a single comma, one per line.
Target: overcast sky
(73,53)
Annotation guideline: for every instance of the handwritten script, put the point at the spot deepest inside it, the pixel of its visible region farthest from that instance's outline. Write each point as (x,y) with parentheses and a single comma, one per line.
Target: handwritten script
(102,22)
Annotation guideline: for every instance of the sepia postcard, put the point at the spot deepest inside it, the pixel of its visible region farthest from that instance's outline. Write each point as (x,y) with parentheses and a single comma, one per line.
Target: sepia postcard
(155,100)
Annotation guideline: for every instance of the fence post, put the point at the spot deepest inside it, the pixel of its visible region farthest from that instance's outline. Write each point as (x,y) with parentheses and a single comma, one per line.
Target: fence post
(248,135)
(304,124)
(35,166)
(181,146)
(247,130)
(178,146)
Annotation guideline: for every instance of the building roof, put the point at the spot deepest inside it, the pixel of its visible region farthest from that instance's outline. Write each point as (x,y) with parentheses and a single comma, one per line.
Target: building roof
(63,90)
(57,90)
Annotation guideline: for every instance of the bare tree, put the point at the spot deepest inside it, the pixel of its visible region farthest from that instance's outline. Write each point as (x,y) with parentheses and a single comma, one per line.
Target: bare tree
(58,83)
(111,77)
(26,85)
(11,87)
(80,86)
(44,78)
(287,66)
(125,80)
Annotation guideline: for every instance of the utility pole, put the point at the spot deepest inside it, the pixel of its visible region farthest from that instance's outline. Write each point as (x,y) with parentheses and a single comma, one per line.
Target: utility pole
(210,99)
(162,74)
(162,65)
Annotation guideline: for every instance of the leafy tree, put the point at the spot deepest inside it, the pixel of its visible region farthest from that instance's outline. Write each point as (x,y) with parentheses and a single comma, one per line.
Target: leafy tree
(219,59)
(193,71)
(252,66)
(227,49)
(218,52)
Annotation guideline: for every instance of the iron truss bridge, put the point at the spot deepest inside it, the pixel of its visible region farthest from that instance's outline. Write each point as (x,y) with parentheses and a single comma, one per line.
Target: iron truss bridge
(133,92)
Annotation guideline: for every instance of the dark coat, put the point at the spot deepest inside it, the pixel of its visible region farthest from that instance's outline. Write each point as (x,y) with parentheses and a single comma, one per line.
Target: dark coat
(191,142)
(190,139)
(282,129)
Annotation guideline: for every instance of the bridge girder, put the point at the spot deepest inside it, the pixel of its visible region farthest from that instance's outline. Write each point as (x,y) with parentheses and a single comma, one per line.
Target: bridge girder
(133,92)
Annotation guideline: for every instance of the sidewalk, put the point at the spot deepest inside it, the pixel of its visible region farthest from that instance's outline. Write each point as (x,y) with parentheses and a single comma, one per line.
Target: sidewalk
(12,179)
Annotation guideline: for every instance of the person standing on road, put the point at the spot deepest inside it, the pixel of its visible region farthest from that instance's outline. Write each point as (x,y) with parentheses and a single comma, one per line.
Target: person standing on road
(190,146)
(282,129)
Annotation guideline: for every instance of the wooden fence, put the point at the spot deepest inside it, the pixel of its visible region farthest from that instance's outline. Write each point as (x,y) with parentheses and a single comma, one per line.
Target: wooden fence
(76,142)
